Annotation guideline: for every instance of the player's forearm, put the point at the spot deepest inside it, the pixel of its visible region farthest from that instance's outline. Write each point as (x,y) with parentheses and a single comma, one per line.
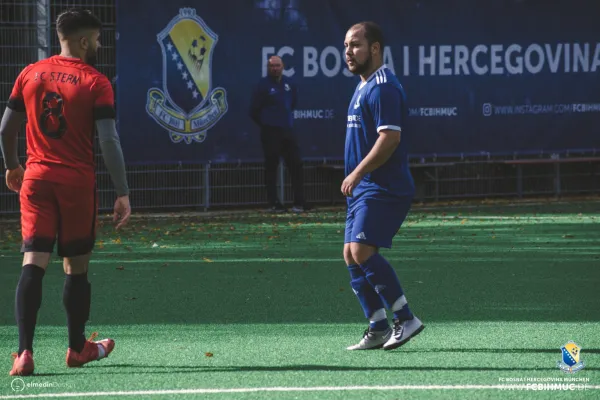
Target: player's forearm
(382,150)
(9,132)
(113,155)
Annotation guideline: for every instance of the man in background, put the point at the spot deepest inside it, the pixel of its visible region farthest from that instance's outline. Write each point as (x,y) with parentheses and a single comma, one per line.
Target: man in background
(272,109)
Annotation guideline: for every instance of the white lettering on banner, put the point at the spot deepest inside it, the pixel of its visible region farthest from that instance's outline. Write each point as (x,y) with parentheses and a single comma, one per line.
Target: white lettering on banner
(433,112)
(534,69)
(497,68)
(314,114)
(284,51)
(406,59)
(490,110)
(311,68)
(426,59)
(447,60)
(387,59)
(461,54)
(312,62)
(581,57)
(330,51)
(516,68)
(444,67)
(266,53)
(553,58)
(479,70)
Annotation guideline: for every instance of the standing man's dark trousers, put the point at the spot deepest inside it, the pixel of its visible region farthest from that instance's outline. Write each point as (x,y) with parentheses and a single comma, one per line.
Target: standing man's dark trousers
(280,143)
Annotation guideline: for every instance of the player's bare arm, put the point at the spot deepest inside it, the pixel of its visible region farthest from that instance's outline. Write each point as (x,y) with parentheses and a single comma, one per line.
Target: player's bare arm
(112,154)
(382,150)
(9,132)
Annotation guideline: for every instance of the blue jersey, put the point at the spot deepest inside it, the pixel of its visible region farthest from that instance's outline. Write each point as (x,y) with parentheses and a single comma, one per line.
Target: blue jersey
(378,103)
(273,102)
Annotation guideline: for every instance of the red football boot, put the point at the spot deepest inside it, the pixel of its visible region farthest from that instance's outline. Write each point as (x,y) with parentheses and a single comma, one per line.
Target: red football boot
(92,351)
(23,364)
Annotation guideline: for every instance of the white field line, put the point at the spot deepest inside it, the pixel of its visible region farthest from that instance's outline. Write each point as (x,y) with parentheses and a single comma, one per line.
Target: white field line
(538,387)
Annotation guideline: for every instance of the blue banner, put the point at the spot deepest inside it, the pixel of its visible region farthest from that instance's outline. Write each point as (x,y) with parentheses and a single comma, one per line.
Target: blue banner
(498,77)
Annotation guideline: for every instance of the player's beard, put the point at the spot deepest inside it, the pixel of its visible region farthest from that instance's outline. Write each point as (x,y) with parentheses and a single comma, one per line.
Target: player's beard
(360,69)
(91,58)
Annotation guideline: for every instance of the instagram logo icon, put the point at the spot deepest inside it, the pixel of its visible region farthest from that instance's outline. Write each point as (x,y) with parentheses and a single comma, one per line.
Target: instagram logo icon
(487,109)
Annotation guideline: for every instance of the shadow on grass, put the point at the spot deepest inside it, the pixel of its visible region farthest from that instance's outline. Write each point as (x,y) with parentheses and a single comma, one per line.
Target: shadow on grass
(471,272)
(165,369)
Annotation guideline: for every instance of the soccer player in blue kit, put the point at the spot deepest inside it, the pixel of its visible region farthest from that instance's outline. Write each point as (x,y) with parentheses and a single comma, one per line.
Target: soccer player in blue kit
(379,189)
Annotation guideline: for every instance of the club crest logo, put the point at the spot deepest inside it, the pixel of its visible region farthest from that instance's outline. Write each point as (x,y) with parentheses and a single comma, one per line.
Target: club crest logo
(571,358)
(187,106)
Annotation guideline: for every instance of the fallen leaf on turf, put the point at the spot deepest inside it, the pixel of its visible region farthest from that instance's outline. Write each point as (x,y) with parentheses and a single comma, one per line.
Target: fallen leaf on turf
(120,268)
(207,259)
(208,354)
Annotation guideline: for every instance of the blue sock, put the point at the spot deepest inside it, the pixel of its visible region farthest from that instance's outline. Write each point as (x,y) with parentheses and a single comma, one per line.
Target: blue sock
(369,300)
(380,274)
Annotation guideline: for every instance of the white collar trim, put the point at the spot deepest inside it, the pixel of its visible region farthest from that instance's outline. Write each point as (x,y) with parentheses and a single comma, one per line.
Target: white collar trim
(363,83)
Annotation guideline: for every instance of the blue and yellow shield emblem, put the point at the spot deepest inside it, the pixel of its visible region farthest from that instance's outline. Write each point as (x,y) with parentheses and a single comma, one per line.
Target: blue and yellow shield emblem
(187,106)
(571,358)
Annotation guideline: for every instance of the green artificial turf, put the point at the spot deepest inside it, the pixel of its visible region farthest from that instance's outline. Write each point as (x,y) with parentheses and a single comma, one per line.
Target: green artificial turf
(260,301)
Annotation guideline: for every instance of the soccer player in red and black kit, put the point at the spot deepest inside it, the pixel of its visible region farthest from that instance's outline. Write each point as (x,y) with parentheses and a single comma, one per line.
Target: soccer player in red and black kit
(65,99)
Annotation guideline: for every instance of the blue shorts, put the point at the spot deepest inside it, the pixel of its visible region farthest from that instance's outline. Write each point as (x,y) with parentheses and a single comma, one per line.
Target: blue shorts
(375,222)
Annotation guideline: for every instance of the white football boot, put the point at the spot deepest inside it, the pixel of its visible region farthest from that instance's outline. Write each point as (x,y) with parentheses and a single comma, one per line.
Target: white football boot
(372,340)
(403,332)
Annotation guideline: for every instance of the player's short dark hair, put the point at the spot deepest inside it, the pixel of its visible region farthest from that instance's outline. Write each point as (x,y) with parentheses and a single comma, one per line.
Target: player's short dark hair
(74,20)
(373,33)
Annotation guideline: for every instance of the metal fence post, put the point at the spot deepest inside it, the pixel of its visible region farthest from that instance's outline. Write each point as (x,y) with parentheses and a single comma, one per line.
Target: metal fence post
(520,181)
(557,179)
(437,183)
(281,183)
(206,186)
(43,23)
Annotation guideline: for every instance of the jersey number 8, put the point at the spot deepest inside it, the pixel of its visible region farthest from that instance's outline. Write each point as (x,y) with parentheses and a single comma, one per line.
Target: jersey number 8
(52,120)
